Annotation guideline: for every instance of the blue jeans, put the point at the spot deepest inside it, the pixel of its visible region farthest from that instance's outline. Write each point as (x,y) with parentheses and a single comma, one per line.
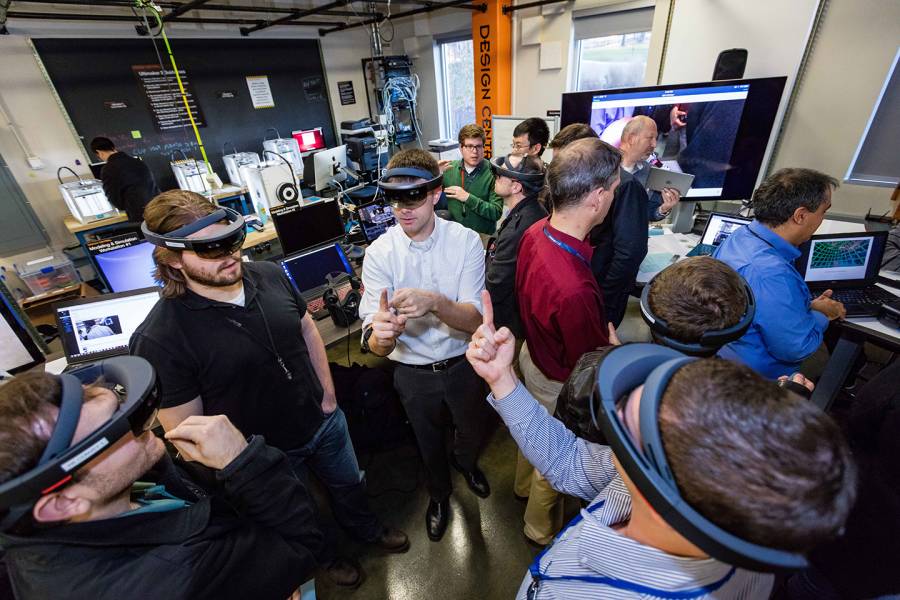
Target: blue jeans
(329,454)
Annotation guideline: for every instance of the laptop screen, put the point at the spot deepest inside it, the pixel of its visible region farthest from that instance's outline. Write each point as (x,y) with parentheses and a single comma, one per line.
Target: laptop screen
(842,257)
(94,328)
(125,262)
(300,227)
(375,220)
(720,226)
(308,271)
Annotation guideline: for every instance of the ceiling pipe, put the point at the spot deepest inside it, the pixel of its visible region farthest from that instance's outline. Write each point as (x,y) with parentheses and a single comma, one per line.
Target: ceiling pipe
(427,9)
(205,6)
(131,19)
(245,31)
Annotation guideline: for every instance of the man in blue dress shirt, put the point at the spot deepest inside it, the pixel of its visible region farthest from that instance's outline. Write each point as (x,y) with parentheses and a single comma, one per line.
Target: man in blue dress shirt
(619,546)
(789,325)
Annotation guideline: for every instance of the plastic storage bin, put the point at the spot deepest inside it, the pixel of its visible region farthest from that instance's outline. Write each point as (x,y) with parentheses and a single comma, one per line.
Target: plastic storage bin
(47,274)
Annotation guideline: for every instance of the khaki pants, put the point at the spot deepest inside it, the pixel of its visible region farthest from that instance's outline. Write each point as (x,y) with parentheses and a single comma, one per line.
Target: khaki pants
(544,513)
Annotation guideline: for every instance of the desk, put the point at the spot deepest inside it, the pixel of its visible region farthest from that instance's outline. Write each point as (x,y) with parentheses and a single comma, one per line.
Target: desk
(855,332)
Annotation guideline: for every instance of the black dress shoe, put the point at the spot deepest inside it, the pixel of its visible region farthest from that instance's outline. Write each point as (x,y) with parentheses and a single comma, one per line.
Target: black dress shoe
(476,480)
(345,572)
(436,518)
(392,540)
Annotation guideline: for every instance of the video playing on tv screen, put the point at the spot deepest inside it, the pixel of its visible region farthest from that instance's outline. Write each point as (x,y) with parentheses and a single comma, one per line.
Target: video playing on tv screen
(715,131)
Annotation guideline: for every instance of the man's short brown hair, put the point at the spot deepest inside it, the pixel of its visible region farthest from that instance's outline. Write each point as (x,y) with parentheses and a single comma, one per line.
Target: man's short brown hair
(414,158)
(786,190)
(697,295)
(24,400)
(470,131)
(570,133)
(167,212)
(580,168)
(755,459)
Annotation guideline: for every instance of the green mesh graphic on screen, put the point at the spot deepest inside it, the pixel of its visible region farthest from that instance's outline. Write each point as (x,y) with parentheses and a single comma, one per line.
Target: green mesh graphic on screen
(846,253)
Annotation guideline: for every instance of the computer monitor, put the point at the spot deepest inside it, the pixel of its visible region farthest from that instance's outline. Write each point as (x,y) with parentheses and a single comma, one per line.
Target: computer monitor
(720,226)
(326,165)
(99,327)
(303,226)
(308,271)
(717,131)
(309,139)
(842,259)
(125,262)
(18,351)
(374,220)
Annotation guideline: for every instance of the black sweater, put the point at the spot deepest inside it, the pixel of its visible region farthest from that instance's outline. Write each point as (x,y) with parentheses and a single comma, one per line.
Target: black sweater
(128,184)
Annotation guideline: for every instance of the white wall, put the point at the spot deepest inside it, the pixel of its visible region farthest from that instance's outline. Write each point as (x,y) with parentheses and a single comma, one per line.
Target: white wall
(34,109)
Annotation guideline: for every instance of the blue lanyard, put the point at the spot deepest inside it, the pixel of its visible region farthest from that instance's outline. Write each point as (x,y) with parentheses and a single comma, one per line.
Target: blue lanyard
(566,247)
(538,577)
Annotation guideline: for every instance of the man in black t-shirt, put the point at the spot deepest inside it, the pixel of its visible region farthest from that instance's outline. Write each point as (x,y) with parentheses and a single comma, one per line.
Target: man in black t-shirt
(234,338)
(127,181)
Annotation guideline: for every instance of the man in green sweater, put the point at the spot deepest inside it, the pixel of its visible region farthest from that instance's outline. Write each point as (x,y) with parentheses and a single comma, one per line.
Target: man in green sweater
(469,185)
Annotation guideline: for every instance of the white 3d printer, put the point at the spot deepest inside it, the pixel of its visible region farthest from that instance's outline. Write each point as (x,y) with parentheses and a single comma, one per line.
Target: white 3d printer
(192,175)
(85,198)
(271,183)
(236,160)
(289,148)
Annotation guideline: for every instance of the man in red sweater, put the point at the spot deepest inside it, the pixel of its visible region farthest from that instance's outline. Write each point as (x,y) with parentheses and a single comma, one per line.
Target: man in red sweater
(558,293)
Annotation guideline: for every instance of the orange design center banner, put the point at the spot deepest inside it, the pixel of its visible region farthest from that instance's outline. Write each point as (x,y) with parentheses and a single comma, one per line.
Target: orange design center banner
(492,40)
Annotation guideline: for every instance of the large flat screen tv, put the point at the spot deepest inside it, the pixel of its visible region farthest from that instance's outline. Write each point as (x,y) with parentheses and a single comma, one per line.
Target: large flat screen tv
(717,131)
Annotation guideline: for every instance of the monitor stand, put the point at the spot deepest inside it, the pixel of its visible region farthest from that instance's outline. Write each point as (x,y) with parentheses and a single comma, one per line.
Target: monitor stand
(683,216)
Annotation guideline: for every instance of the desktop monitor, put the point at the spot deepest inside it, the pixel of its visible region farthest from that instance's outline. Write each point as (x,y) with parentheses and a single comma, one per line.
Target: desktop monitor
(18,351)
(303,226)
(308,271)
(309,139)
(99,327)
(717,131)
(124,262)
(326,165)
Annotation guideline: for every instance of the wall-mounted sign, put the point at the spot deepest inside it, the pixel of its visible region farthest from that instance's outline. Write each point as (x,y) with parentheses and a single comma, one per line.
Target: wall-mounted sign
(260,92)
(116,104)
(554,113)
(227,94)
(314,89)
(345,89)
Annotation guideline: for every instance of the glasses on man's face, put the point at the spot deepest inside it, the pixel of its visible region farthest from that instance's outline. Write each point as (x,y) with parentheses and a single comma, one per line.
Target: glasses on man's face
(474,147)
(518,146)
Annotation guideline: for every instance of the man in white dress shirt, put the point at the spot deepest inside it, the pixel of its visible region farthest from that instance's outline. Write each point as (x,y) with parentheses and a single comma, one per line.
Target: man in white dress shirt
(423,280)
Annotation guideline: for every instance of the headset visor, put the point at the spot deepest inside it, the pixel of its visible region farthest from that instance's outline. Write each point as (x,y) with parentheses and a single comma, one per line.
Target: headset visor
(223,243)
(408,194)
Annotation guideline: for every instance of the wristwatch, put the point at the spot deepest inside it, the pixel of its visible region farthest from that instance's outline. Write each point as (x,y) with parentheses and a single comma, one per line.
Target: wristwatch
(364,347)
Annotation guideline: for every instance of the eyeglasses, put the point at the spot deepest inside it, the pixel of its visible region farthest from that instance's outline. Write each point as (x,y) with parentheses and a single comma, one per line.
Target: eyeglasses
(518,146)
(474,147)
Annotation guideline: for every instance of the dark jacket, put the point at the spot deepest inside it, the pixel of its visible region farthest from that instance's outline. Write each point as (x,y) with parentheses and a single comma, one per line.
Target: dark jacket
(500,262)
(620,245)
(254,537)
(891,260)
(484,207)
(128,184)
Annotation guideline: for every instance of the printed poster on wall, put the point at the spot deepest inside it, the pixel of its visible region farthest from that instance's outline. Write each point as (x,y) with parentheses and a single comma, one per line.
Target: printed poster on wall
(260,92)
(164,97)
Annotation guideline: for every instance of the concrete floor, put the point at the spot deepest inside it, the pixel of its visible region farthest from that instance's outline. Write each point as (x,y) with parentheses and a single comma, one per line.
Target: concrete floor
(482,555)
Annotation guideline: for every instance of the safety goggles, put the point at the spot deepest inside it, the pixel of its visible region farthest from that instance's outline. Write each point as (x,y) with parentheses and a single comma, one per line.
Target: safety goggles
(408,195)
(136,413)
(224,243)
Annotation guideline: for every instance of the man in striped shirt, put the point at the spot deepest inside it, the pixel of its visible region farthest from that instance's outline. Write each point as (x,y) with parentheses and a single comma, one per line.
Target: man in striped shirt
(784,481)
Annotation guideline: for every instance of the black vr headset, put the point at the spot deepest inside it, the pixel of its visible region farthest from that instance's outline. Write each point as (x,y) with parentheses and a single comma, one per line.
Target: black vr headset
(622,370)
(222,244)
(711,341)
(60,459)
(531,180)
(408,194)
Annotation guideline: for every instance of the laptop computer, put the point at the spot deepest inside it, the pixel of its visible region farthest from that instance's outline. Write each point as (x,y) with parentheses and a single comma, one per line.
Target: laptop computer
(304,226)
(99,327)
(718,227)
(374,220)
(848,264)
(308,272)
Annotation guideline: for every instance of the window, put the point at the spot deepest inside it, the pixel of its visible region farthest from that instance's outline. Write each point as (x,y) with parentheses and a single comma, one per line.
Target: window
(457,68)
(611,49)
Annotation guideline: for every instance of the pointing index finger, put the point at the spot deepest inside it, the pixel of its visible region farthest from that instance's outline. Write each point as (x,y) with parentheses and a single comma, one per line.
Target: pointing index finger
(487,309)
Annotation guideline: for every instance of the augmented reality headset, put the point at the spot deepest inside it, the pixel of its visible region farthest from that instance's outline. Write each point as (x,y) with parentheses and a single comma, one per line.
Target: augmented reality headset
(221,244)
(408,194)
(60,459)
(624,369)
(711,341)
(502,167)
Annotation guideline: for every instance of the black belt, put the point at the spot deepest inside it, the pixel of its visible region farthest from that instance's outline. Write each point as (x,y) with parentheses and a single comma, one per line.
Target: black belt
(437,367)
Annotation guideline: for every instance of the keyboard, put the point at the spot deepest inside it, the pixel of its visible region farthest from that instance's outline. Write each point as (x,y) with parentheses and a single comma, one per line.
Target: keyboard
(702,250)
(316,306)
(863,302)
